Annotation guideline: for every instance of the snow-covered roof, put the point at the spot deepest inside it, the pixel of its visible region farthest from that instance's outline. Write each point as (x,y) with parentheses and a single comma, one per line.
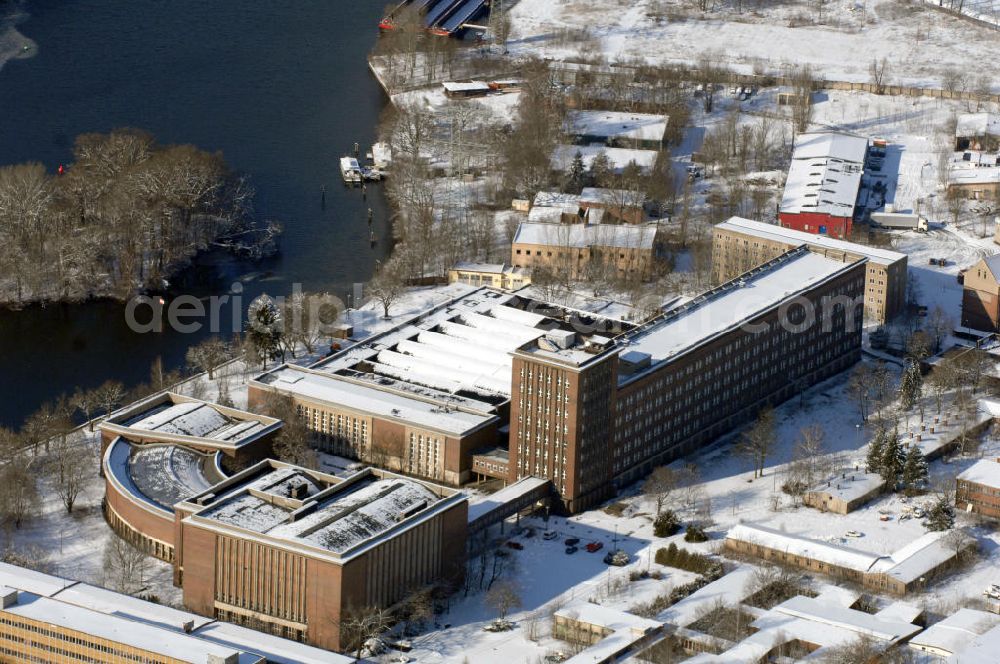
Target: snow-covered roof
(619,158)
(825,174)
(549,215)
(586,235)
(985,472)
(372,401)
(919,557)
(274,649)
(620,125)
(455,347)
(959,174)
(182,647)
(512,492)
(106,605)
(613,197)
(158,475)
(793,237)
(555,199)
(849,486)
(626,629)
(732,305)
(300,507)
(466,86)
(982,649)
(36,583)
(804,547)
(954,633)
(174,418)
(732,588)
(977,124)
(835,145)
(843,617)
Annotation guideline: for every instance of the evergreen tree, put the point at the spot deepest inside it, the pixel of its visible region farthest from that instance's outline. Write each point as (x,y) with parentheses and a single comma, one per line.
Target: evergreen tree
(577,174)
(910,386)
(893,459)
(941,516)
(876,450)
(666,524)
(601,170)
(264,328)
(914,470)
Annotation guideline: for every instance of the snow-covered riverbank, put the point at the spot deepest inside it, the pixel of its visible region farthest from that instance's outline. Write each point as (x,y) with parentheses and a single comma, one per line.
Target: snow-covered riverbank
(14,45)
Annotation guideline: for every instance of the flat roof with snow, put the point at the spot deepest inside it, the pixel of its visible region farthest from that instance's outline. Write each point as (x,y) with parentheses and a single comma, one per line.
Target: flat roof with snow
(825,174)
(104,605)
(977,124)
(804,547)
(849,486)
(579,236)
(159,475)
(646,127)
(170,417)
(985,472)
(731,305)
(791,236)
(304,508)
(613,197)
(181,647)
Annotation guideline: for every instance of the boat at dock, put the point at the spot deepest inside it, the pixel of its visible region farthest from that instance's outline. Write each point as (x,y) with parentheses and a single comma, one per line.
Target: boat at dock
(350,170)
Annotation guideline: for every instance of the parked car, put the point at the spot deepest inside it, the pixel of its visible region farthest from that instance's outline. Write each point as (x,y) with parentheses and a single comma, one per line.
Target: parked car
(514,545)
(570,550)
(572,541)
(854,533)
(550,535)
(594,547)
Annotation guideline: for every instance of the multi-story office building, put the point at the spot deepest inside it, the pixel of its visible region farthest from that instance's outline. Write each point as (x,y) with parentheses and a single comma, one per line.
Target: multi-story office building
(163,449)
(601,411)
(295,552)
(740,244)
(45,618)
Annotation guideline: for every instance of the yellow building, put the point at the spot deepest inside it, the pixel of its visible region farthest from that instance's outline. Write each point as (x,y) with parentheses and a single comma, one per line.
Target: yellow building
(739,245)
(493,275)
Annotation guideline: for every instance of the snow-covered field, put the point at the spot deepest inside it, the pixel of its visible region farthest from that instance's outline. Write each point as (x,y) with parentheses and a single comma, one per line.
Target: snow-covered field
(918,43)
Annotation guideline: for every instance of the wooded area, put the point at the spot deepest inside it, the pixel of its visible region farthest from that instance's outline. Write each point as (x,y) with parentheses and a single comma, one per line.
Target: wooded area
(124,216)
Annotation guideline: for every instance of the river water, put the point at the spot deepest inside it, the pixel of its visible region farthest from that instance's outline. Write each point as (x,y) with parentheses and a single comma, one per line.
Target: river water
(281,88)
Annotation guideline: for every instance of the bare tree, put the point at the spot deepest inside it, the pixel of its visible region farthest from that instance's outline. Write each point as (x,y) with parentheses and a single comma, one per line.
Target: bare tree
(208,355)
(359,627)
(879,72)
(386,287)
(503,597)
(293,442)
(109,395)
(18,493)
(756,443)
(659,485)
(125,567)
(68,465)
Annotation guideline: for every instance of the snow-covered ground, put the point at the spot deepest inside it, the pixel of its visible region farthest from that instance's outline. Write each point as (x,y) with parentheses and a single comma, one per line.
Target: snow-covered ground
(13,45)
(918,43)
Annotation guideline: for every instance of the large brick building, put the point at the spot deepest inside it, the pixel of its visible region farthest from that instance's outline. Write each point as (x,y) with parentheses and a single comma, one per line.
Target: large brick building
(981,295)
(296,553)
(977,489)
(823,183)
(740,244)
(582,250)
(161,450)
(601,411)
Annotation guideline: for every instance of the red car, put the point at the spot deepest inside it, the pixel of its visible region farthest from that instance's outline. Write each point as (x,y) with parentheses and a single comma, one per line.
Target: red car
(594,547)
(515,545)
